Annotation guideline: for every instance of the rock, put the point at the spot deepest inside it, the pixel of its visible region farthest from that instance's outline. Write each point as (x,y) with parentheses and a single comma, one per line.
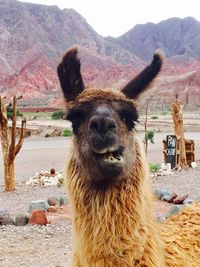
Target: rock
(197,199)
(163,166)
(174,210)
(38,217)
(167,196)
(160,192)
(55,132)
(193,165)
(46,178)
(5,217)
(53,209)
(64,200)
(174,196)
(53,201)
(180,199)
(21,220)
(168,166)
(60,176)
(188,201)
(53,172)
(38,205)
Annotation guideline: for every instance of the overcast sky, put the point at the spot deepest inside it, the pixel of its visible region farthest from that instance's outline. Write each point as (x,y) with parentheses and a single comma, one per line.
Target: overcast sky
(115,17)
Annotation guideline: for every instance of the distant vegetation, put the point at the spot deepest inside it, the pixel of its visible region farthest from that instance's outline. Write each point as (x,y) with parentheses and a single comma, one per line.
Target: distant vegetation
(149,135)
(10,112)
(154,117)
(67,132)
(154,167)
(57,115)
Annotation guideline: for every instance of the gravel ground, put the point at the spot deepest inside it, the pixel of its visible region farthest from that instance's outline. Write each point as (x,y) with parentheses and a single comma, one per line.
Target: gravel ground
(181,182)
(17,201)
(50,246)
(35,246)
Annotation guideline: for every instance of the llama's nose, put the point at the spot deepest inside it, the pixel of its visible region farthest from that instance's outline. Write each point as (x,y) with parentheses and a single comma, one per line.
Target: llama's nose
(101,124)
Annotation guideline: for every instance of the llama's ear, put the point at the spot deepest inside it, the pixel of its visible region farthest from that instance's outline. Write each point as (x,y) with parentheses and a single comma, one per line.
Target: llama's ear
(70,76)
(144,78)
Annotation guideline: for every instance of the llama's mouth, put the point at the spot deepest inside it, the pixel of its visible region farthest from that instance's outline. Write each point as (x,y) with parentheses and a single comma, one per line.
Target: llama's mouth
(110,156)
(113,157)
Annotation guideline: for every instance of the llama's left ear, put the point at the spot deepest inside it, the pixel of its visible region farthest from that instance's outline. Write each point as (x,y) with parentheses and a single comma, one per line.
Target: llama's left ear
(70,76)
(136,86)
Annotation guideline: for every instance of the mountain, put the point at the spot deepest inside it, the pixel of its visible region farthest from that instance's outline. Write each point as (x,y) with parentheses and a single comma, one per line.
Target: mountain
(33,38)
(177,38)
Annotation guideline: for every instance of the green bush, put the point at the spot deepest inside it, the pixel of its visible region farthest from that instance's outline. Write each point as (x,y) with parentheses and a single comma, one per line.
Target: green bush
(67,132)
(154,117)
(57,115)
(164,113)
(149,135)
(154,167)
(10,112)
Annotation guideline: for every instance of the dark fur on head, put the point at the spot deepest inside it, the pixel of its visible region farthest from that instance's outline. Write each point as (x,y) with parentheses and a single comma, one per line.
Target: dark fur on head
(144,78)
(72,83)
(69,75)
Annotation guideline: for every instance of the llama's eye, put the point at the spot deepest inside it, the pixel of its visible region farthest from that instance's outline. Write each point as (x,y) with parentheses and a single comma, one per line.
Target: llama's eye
(76,116)
(129,117)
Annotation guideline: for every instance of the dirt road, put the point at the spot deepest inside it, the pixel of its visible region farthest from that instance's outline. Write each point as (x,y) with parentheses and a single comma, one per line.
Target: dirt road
(40,153)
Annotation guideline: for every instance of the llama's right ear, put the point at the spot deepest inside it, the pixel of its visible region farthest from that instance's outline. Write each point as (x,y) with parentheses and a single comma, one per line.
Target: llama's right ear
(141,82)
(70,76)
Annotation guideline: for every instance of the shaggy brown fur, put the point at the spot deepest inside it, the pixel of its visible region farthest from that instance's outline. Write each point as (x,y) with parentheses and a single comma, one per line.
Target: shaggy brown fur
(112,218)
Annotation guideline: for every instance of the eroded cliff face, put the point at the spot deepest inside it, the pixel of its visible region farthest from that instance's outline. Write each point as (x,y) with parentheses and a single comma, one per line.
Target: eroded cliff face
(33,39)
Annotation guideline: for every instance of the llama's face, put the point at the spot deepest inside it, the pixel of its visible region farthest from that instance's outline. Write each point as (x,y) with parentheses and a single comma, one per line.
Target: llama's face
(103,120)
(104,133)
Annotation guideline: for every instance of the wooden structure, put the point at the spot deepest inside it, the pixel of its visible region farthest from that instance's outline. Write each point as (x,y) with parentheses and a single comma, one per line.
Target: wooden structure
(190,151)
(179,131)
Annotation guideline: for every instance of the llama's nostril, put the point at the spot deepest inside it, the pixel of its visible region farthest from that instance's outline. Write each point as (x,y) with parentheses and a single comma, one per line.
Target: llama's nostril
(110,125)
(102,124)
(93,125)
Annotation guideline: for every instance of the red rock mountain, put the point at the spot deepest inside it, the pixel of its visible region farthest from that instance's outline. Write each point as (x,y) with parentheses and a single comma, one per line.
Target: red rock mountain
(34,37)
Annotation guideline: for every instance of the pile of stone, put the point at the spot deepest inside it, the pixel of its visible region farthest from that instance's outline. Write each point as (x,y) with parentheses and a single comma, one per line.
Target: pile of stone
(171,197)
(37,212)
(164,171)
(47,178)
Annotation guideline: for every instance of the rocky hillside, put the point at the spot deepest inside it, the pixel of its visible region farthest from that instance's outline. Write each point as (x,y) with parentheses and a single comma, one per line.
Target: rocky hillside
(177,38)
(34,37)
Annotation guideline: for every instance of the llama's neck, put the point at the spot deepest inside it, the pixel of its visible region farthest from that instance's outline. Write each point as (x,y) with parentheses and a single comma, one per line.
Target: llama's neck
(122,215)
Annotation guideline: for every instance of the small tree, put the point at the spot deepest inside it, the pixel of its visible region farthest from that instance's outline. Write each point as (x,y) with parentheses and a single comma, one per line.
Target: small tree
(57,115)
(9,147)
(148,135)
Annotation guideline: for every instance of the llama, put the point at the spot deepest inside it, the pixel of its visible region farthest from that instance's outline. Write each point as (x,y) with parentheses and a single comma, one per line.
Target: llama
(108,181)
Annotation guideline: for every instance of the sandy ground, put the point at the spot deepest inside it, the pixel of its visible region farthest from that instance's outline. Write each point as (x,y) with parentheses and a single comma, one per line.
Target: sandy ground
(48,246)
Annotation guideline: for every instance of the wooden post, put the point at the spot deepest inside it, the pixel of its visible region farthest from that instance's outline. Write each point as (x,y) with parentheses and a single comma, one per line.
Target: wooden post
(145,127)
(179,131)
(9,147)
